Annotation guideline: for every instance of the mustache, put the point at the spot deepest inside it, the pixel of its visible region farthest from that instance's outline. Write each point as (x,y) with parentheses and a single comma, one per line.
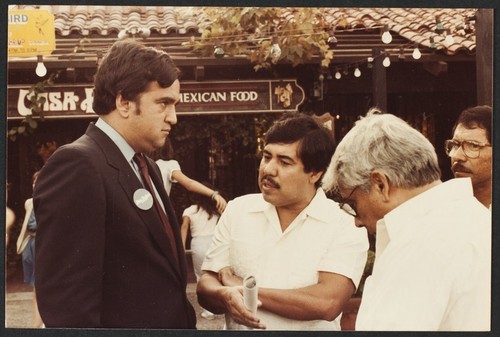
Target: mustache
(270,181)
(460,168)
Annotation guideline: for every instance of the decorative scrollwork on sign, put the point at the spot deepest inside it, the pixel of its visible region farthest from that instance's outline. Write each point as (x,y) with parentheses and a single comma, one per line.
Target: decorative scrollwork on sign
(284,95)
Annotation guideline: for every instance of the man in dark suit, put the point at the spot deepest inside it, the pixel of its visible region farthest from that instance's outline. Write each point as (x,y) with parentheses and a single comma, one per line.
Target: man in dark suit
(103,256)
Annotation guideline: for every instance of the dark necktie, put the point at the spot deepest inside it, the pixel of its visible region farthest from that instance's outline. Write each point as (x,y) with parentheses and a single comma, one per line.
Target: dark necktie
(141,162)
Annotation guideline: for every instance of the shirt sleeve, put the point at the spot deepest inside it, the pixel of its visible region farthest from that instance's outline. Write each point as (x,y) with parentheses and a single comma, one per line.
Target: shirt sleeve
(218,253)
(348,251)
(173,165)
(189,211)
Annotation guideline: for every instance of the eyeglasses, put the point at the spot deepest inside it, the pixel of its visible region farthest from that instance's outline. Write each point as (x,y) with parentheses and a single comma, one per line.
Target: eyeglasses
(470,148)
(344,203)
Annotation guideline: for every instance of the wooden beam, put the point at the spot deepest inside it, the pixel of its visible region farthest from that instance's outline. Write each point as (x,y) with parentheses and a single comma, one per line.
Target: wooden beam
(484,56)
(379,81)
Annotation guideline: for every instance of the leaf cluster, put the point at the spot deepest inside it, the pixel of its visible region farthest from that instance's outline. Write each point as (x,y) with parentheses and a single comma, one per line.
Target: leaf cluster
(248,32)
(37,99)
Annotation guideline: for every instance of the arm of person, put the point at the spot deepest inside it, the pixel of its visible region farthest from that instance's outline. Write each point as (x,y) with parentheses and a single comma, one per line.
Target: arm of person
(197,187)
(216,297)
(70,208)
(184,230)
(324,300)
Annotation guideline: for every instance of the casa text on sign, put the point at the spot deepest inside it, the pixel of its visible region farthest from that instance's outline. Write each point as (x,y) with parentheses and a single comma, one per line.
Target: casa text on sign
(218,97)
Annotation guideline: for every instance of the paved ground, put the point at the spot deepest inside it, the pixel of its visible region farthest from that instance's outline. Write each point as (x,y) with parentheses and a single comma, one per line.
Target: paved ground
(18,303)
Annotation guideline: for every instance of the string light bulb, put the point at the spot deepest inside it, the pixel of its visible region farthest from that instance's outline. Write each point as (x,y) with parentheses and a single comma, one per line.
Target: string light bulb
(332,40)
(386,36)
(144,32)
(122,34)
(369,65)
(40,70)
(338,75)
(218,51)
(357,72)
(387,61)
(416,53)
(275,50)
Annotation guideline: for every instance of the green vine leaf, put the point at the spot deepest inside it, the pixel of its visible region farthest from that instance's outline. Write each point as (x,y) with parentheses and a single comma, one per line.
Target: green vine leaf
(249,31)
(37,100)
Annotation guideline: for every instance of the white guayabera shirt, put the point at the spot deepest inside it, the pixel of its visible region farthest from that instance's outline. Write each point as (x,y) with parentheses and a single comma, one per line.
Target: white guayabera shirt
(249,238)
(432,267)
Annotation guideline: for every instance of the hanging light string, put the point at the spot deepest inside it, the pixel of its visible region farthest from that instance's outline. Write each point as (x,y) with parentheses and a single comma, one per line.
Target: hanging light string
(252,39)
(339,69)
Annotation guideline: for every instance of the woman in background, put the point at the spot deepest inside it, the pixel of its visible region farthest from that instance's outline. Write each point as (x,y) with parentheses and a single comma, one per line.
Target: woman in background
(26,246)
(171,173)
(201,219)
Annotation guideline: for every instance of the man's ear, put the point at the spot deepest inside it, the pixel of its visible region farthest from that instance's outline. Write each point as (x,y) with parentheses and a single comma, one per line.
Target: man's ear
(315,176)
(123,105)
(380,184)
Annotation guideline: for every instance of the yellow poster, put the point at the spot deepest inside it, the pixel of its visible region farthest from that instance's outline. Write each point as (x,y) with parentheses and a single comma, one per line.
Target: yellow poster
(30,33)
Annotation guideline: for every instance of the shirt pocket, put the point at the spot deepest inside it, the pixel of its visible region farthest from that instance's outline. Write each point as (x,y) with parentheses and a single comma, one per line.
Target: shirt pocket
(305,267)
(243,257)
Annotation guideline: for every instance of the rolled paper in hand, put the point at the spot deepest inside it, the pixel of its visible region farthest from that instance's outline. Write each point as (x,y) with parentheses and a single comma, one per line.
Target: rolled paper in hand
(250,291)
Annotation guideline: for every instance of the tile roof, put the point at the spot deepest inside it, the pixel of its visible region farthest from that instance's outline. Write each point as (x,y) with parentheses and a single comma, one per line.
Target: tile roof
(357,28)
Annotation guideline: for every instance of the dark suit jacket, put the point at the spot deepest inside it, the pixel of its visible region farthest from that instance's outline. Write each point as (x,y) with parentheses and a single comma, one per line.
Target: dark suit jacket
(100,260)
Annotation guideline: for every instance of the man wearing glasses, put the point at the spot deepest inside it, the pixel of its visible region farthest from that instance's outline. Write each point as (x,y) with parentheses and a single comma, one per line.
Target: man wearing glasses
(432,269)
(470,150)
(304,252)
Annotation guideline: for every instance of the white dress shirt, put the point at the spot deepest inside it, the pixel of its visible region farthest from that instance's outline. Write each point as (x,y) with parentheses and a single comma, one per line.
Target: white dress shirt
(432,266)
(249,238)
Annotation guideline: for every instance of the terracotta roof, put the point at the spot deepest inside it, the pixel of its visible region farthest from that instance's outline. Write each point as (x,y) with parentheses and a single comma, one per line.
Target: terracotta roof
(357,29)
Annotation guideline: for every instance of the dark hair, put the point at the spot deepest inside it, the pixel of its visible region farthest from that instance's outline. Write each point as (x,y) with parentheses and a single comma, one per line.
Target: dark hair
(316,145)
(478,116)
(166,152)
(204,202)
(128,69)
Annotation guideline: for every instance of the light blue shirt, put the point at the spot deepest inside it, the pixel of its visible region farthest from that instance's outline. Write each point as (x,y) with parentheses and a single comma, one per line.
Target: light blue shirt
(127,151)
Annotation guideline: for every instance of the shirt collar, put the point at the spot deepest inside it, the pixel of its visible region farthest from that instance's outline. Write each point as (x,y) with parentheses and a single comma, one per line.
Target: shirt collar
(315,209)
(127,151)
(399,220)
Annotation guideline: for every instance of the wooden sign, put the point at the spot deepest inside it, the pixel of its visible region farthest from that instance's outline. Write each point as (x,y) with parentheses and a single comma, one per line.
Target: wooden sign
(217,97)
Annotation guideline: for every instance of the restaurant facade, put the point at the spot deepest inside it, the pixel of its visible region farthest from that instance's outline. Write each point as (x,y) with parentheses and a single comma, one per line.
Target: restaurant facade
(226,105)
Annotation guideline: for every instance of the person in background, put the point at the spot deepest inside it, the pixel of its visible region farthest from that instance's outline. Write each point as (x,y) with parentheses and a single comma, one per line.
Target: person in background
(432,265)
(200,219)
(26,247)
(109,251)
(304,252)
(10,217)
(171,173)
(46,148)
(471,151)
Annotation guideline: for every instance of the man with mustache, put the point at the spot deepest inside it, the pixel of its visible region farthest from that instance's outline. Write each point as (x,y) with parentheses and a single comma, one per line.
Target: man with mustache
(108,248)
(306,256)
(470,150)
(432,268)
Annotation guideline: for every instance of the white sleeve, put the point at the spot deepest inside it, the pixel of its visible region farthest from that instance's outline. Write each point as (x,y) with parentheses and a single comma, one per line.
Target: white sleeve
(348,251)
(173,165)
(218,253)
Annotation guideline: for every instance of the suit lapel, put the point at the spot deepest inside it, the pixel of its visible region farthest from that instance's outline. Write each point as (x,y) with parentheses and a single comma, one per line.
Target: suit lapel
(131,183)
(157,181)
